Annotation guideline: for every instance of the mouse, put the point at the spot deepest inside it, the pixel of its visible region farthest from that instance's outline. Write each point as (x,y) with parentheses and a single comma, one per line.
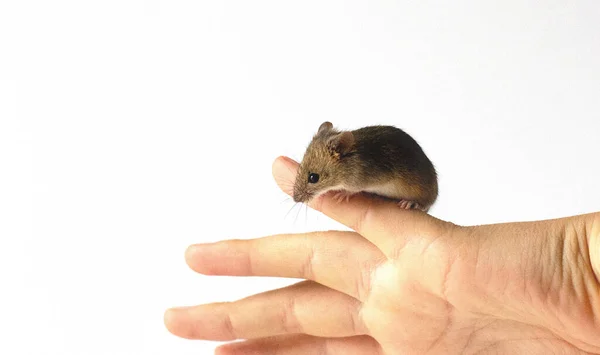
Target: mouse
(378,160)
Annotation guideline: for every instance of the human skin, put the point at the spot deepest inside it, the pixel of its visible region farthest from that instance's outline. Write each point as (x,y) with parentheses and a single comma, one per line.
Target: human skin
(404,282)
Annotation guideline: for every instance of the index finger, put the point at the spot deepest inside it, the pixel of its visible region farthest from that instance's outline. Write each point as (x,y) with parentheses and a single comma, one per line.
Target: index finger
(381,222)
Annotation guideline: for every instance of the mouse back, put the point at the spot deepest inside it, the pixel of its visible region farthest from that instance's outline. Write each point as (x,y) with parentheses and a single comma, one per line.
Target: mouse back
(389,154)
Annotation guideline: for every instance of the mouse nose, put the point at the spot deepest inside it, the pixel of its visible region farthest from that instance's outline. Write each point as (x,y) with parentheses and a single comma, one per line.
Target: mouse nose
(298,195)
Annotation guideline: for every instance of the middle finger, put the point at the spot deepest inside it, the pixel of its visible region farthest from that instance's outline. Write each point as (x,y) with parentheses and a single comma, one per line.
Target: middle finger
(343,261)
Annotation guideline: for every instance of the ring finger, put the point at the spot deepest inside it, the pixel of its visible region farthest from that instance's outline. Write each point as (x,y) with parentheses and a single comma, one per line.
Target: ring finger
(298,344)
(306,307)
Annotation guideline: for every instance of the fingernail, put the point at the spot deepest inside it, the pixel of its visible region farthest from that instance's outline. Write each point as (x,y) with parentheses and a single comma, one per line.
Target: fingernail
(289,160)
(178,309)
(197,248)
(200,246)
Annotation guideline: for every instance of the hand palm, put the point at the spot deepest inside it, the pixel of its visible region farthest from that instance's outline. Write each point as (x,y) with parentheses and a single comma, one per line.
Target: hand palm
(481,298)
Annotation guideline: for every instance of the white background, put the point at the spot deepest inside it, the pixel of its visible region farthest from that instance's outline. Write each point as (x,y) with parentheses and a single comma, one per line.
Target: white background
(131,129)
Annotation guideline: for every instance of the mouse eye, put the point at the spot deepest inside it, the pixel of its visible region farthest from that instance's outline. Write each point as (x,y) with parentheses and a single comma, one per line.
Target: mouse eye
(313,178)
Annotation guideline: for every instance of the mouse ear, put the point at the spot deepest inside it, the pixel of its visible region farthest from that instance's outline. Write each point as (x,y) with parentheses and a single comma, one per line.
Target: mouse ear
(324,127)
(341,144)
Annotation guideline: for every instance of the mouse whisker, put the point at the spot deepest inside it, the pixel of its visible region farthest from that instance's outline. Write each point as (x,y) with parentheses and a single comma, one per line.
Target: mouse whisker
(297,214)
(290,210)
(305,214)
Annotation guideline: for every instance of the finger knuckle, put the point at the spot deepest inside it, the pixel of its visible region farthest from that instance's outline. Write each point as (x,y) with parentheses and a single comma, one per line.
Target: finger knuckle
(307,266)
(289,319)
(363,220)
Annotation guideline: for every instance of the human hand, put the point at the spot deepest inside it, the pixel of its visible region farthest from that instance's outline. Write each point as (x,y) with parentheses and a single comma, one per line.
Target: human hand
(406,283)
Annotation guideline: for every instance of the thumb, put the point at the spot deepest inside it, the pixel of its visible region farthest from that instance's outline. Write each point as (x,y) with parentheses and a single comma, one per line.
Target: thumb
(381,222)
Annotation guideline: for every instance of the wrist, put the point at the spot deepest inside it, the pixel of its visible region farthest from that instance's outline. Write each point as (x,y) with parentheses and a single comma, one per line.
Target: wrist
(593,241)
(543,273)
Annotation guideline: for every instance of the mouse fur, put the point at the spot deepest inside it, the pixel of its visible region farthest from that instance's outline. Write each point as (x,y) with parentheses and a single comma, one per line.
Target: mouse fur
(381,160)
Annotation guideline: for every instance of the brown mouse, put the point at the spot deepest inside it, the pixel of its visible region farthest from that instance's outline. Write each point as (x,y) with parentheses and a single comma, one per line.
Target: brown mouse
(380,160)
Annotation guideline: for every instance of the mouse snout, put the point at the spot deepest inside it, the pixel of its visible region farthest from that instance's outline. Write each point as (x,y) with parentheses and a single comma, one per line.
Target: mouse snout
(297,196)
(300,195)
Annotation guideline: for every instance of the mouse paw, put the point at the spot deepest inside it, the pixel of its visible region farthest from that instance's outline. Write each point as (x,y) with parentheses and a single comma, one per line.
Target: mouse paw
(342,195)
(409,205)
